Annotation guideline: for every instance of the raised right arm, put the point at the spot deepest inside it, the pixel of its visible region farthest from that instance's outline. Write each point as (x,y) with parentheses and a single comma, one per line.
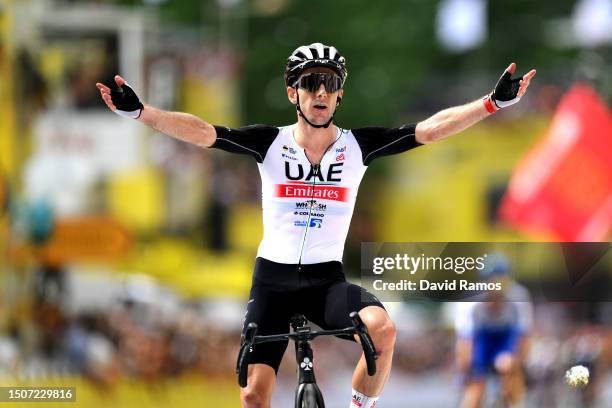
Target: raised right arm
(182,126)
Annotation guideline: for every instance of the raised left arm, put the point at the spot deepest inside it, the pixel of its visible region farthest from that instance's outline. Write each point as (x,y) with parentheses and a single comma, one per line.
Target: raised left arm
(453,120)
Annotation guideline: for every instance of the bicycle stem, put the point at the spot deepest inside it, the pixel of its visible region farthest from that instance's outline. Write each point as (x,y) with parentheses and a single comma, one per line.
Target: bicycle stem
(305,362)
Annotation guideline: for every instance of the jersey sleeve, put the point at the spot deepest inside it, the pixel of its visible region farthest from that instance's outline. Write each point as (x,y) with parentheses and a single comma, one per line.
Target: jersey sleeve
(525,321)
(253,140)
(519,295)
(464,319)
(380,141)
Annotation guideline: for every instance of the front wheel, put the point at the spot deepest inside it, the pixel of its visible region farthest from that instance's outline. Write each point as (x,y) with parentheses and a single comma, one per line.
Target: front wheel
(309,396)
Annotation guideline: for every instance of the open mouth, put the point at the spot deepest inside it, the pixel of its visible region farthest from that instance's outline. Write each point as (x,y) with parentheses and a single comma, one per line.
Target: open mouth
(320,107)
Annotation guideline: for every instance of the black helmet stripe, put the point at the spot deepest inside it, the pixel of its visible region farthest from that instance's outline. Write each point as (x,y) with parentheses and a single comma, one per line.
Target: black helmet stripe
(319,49)
(305,51)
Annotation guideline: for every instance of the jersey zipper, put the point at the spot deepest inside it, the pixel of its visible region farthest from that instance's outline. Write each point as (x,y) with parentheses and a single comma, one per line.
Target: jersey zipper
(316,168)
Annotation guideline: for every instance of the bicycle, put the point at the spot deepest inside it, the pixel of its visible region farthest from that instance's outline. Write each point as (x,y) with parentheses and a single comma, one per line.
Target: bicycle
(307,393)
(493,396)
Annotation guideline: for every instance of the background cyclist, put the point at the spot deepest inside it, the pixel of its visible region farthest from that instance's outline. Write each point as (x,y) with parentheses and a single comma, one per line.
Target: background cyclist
(492,337)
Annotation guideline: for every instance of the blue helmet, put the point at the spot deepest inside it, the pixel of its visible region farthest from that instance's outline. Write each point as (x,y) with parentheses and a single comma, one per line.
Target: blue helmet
(496,265)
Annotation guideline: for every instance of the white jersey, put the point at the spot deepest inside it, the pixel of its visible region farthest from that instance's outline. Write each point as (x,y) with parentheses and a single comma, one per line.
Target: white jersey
(307,208)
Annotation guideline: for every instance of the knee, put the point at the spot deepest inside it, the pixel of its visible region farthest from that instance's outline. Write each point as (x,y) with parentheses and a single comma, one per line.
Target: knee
(383,335)
(504,363)
(258,392)
(251,397)
(387,333)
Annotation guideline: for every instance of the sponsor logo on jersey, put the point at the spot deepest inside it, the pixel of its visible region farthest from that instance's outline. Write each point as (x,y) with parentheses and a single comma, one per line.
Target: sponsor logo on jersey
(289,149)
(341,149)
(314,214)
(311,204)
(300,189)
(286,156)
(316,222)
(340,157)
(334,171)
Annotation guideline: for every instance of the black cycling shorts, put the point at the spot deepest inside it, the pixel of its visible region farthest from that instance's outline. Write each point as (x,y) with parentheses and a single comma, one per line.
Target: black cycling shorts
(318,291)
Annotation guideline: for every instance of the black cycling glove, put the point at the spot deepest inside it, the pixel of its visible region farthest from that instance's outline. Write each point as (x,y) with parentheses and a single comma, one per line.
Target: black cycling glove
(126,101)
(506,91)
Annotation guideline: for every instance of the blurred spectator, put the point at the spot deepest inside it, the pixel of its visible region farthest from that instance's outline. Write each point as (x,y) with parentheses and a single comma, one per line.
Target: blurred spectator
(9,352)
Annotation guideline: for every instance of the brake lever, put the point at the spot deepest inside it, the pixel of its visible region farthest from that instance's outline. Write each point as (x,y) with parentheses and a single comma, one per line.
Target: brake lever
(242,363)
(369,351)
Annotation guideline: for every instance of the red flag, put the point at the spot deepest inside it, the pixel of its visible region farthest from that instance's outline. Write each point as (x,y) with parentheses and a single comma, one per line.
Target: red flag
(563,187)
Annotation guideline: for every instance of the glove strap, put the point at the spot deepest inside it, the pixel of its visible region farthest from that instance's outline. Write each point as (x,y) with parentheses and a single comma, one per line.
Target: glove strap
(489,105)
(135,114)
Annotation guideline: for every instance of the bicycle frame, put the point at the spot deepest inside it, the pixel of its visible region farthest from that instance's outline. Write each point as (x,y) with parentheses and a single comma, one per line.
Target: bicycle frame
(306,376)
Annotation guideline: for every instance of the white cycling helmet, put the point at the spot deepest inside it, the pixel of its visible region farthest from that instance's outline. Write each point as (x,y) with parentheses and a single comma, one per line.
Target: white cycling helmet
(314,55)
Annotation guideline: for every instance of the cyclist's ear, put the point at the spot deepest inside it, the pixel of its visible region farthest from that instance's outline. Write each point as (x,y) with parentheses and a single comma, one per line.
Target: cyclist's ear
(292,95)
(339,99)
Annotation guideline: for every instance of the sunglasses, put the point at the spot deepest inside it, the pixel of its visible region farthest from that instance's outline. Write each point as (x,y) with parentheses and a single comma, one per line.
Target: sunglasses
(312,82)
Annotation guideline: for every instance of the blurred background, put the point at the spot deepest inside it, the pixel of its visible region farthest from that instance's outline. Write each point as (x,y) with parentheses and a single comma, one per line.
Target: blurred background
(126,256)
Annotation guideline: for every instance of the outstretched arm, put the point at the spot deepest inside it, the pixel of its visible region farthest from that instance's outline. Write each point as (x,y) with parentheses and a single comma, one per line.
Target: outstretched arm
(182,126)
(456,119)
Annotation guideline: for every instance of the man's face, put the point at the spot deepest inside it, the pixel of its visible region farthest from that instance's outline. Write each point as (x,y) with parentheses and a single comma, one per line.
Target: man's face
(318,106)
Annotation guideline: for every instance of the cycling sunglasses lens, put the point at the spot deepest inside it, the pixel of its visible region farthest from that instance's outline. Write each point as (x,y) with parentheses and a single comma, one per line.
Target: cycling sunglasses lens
(312,82)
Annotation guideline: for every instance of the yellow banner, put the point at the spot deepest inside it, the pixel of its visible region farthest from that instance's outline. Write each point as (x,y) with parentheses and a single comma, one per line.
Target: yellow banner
(7,117)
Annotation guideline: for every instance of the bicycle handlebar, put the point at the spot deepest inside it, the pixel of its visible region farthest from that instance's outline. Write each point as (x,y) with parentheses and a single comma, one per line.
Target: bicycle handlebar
(251,338)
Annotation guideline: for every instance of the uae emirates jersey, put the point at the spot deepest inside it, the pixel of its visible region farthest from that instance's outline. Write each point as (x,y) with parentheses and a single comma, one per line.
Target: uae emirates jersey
(307,207)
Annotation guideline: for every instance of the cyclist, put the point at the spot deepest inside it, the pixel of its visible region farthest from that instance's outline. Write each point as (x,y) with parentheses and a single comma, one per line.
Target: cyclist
(492,337)
(310,173)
